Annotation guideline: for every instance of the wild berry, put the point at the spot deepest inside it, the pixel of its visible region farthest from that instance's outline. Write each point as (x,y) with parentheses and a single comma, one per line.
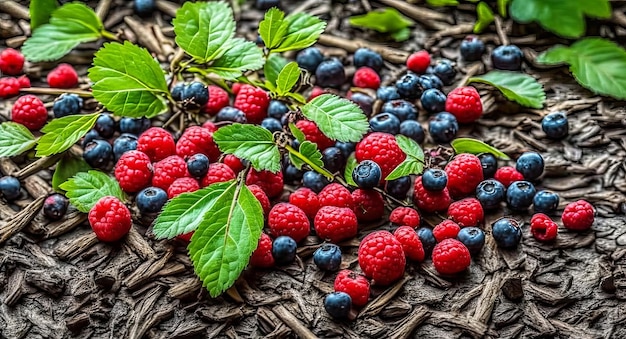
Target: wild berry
(124,143)
(151,200)
(55,206)
(284,250)
(10,188)
(67,104)
(365,57)
(433,101)
(443,127)
(387,93)
(198,165)
(427,238)
(489,163)
(272,125)
(277,109)
(402,109)
(309,58)
(490,193)
(314,181)
(555,125)
(334,160)
(367,174)
(519,195)
(327,257)
(134,126)
(386,123)
(472,48)
(530,164)
(338,304)
(444,70)
(545,202)
(508,58)
(105,125)
(409,86)
(413,129)
(330,73)
(434,179)
(506,232)
(398,188)
(473,238)
(144,8)
(98,153)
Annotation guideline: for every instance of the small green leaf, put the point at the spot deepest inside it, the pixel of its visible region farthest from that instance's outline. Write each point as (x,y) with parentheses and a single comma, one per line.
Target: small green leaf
(519,87)
(383,20)
(66,168)
(273,27)
(414,162)
(303,31)
(308,150)
(485,17)
(132,86)
(287,78)
(440,3)
(297,133)
(299,98)
(401,35)
(241,56)
(473,146)
(502,4)
(347,173)
(40,12)
(249,142)
(274,64)
(61,133)
(338,118)
(15,139)
(86,188)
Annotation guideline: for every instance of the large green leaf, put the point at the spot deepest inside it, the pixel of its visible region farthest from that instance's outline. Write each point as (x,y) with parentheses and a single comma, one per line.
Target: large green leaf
(241,56)
(40,12)
(473,146)
(86,188)
(66,168)
(519,87)
(273,27)
(337,118)
(249,142)
(384,20)
(15,139)
(303,30)
(61,133)
(414,161)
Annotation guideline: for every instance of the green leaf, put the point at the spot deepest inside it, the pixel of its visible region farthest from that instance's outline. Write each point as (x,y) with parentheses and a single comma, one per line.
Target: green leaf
(224,241)
(130,86)
(273,27)
(240,57)
(383,20)
(253,143)
(274,64)
(308,150)
(440,3)
(597,64)
(485,17)
(297,133)
(299,98)
(287,78)
(303,31)
(473,146)
(502,4)
(338,118)
(70,25)
(86,188)
(519,87)
(40,12)
(414,162)
(61,133)
(66,168)
(347,173)
(15,139)
(401,35)
(204,29)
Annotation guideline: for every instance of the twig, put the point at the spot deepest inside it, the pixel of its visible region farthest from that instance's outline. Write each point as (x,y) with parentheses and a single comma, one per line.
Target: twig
(390,54)
(167,7)
(460,29)
(103,8)
(470,73)
(296,326)
(144,35)
(423,15)
(14,9)
(504,39)
(56,91)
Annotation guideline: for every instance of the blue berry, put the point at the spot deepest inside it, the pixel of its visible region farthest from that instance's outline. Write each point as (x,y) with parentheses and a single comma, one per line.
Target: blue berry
(330,73)
(338,304)
(385,122)
(443,127)
(232,114)
(67,104)
(472,48)
(259,41)
(490,193)
(398,188)
(508,58)
(10,188)
(327,257)
(292,175)
(98,153)
(489,164)
(364,101)
(520,195)
(530,164)
(90,136)
(433,101)
(150,200)
(428,81)
(434,179)
(444,70)
(334,160)
(177,91)
(367,174)
(409,86)
(314,181)
(309,58)
(272,125)
(277,109)
(413,130)
(198,165)
(124,143)
(346,148)
(195,95)
(387,93)
(267,4)
(55,206)
(144,8)
(402,109)
(473,238)
(427,238)
(506,232)
(555,125)
(134,126)
(366,57)
(105,125)
(284,250)
(545,202)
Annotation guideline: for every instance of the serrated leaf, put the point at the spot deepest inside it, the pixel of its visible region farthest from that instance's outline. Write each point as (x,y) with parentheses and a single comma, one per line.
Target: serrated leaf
(241,56)
(297,133)
(40,12)
(130,86)
(597,64)
(473,146)
(273,27)
(287,78)
(414,162)
(519,87)
(383,20)
(338,118)
(224,241)
(204,29)
(249,142)
(485,17)
(351,164)
(61,133)
(66,168)
(70,25)
(309,151)
(15,139)
(303,30)
(274,64)
(440,3)
(86,188)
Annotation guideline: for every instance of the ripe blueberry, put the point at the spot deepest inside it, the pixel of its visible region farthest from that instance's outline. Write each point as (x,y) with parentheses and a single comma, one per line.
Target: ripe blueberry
(330,73)
(413,130)
(409,86)
(105,125)
(309,58)
(134,126)
(489,164)
(555,125)
(472,48)
(385,122)
(530,164)
(198,165)
(364,101)
(433,100)
(402,109)
(327,257)
(506,232)
(398,188)
(195,95)
(277,109)
(144,7)
(10,188)
(387,93)
(97,153)
(508,58)
(338,304)
(434,179)
(367,174)
(490,193)
(151,200)
(284,250)
(333,159)
(232,114)
(314,181)
(545,202)
(272,125)
(292,175)
(55,206)
(427,238)
(473,238)
(67,104)
(519,195)
(368,58)
(124,143)
(443,127)
(346,148)
(428,81)
(444,70)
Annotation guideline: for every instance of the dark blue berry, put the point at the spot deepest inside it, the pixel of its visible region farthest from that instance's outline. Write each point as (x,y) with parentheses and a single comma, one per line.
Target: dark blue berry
(309,58)
(366,57)
(545,202)
(134,126)
(385,122)
(55,206)
(387,93)
(277,109)
(364,101)
(124,143)
(489,163)
(105,125)
(338,305)
(520,195)
(409,86)
(428,81)
(292,175)
(330,73)
(473,238)
(555,125)
(90,136)
(98,153)
(314,181)
(346,148)
(444,70)
(232,114)
(195,95)
(144,8)
(530,164)
(433,101)
(267,4)
(413,130)
(472,48)
(334,160)
(327,257)
(67,104)
(427,238)
(434,179)
(198,165)
(443,127)
(10,188)
(150,200)
(259,41)
(272,125)
(367,174)
(284,250)
(402,109)
(177,91)
(508,58)
(398,188)
(490,193)
(506,232)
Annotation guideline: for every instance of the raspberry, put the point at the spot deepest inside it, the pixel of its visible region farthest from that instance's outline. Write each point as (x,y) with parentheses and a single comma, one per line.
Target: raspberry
(218,99)
(182,185)
(253,102)
(418,62)
(29,111)
(465,172)
(411,243)
(368,204)
(383,149)
(236,87)
(307,200)
(288,220)
(466,212)
(133,171)
(464,103)
(63,76)
(24,81)
(262,256)
(381,257)
(271,183)
(405,216)
(195,140)
(168,170)
(313,134)
(446,229)
(578,215)
(451,256)
(11,62)
(210,125)
(543,228)
(316,92)
(366,77)
(429,201)
(234,163)
(185,237)
(157,143)
(218,172)
(506,175)
(9,87)
(110,219)
(261,197)
(335,223)
(335,195)
(355,285)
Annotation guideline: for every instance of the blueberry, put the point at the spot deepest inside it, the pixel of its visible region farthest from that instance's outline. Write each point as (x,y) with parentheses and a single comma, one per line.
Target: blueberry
(284,250)
(232,114)
(473,238)
(55,206)
(555,125)
(346,148)
(195,95)
(427,238)
(402,109)
(366,57)
(151,200)
(385,122)
(98,153)
(428,81)
(277,109)
(506,232)
(530,164)
(177,91)
(434,179)
(398,188)
(90,136)
(10,188)
(508,58)
(409,86)
(267,4)
(367,174)
(330,73)
(472,48)
(144,8)
(545,202)
(520,195)
(327,257)
(413,130)
(291,174)
(124,143)
(489,164)
(433,101)
(259,41)
(338,304)
(364,101)
(443,127)
(444,70)
(309,58)
(334,160)
(67,104)
(490,193)
(105,125)
(134,126)
(272,125)
(314,181)
(198,165)
(387,93)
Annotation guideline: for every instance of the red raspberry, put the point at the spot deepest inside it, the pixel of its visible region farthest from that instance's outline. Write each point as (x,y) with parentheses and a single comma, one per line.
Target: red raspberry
(543,228)
(218,172)
(24,81)
(29,111)
(11,62)
(381,148)
(316,92)
(578,215)
(218,99)
(133,171)
(464,103)
(451,256)
(446,229)
(411,243)
(262,256)
(196,140)
(110,219)
(261,197)
(313,134)
(335,195)
(168,170)
(287,219)
(335,223)
(185,237)
(234,163)
(236,87)
(157,143)
(405,216)
(466,212)
(381,257)
(307,200)
(253,102)
(464,172)
(182,185)
(418,62)
(366,77)
(210,126)
(63,76)
(429,201)
(9,87)
(271,183)
(507,175)
(355,285)
(369,205)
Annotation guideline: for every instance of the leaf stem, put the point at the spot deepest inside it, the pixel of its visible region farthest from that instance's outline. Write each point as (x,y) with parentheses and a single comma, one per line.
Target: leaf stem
(108,35)
(316,168)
